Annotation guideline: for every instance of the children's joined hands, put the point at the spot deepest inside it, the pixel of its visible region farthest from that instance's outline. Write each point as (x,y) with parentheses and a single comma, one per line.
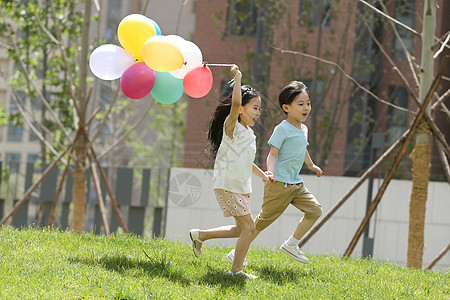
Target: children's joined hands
(269,177)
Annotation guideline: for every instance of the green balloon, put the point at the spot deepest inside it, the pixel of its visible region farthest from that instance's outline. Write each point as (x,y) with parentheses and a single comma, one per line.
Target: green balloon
(167,89)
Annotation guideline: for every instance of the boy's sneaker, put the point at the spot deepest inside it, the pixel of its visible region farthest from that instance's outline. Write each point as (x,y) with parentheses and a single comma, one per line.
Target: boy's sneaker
(294,252)
(230,257)
(243,274)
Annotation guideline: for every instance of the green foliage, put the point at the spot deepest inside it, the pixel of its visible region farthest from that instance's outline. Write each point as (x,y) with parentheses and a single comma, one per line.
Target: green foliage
(161,145)
(32,30)
(3,116)
(166,130)
(47,264)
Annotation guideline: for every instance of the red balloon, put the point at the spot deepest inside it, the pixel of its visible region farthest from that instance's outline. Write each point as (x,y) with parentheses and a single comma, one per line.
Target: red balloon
(198,81)
(137,81)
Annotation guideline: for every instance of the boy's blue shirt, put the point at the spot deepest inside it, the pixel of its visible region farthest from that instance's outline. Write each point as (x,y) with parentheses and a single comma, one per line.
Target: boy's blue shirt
(291,143)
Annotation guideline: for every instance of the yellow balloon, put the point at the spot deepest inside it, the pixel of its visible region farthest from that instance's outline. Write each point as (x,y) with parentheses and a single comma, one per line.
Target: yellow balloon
(161,54)
(133,31)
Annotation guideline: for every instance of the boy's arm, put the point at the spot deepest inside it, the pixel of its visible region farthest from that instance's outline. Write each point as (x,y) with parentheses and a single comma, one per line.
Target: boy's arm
(311,165)
(271,162)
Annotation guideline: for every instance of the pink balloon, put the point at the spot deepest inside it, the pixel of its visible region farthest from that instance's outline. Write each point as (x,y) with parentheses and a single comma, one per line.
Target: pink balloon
(198,81)
(137,81)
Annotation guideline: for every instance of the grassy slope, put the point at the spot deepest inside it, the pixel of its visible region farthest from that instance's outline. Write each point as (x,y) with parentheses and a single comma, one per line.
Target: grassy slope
(46,264)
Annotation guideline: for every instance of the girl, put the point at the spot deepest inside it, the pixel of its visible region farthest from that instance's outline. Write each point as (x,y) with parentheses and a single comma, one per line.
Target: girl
(234,146)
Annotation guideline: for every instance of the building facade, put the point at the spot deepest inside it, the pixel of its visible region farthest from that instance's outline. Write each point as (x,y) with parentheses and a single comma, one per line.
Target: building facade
(345,119)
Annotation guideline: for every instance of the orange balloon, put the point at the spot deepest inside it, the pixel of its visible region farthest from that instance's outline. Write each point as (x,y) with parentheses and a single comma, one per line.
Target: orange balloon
(162,54)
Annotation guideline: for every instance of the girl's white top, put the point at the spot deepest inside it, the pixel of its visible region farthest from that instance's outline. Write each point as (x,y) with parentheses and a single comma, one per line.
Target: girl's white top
(234,161)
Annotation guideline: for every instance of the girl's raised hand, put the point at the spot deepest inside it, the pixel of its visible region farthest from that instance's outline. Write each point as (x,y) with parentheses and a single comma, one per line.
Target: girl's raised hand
(235,70)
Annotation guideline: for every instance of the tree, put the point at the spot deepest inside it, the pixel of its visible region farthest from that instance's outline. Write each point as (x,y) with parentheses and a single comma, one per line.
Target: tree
(421,152)
(420,128)
(49,43)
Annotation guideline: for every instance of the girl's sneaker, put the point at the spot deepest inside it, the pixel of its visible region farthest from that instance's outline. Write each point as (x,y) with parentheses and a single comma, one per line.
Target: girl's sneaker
(243,274)
(230,257)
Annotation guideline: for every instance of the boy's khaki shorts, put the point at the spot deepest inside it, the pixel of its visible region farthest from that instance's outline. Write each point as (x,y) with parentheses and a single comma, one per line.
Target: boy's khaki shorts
(277,197)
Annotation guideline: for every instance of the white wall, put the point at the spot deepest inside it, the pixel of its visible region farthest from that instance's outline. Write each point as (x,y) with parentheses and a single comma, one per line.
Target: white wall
(192,204)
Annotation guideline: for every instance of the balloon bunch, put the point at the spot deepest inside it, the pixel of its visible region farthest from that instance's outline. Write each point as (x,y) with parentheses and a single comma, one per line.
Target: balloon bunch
(164,66)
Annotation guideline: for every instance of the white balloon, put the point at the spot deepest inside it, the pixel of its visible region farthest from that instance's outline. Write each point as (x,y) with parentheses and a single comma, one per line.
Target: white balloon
(192,57)
(108,62)
(175,38)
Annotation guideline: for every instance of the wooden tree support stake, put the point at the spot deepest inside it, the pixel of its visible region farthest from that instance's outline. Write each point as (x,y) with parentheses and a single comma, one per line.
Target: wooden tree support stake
(441,255)
(361,180)
(98,190)
(58,193)
(409,135)
(110,194)
(33,187)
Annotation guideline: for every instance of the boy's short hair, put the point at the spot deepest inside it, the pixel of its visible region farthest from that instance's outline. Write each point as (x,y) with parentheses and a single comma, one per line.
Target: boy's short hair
(290,91)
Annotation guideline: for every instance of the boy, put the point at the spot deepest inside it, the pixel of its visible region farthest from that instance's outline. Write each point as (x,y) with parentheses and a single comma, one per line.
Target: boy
(287,153)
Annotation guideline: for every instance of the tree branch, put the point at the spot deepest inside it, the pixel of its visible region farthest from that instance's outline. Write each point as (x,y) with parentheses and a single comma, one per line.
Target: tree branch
(405,51)
(103,121)
(38,92)
(346,75)
(442,46)
(440,100)
(389,17)
(120,140)
(26,119)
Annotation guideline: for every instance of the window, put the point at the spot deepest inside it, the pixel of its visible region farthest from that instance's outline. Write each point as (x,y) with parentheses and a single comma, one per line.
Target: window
(397,120)
(113,20)
(241,18)
(32,158)
(404,12)
(317,97)
(310,10)
(15,132)
(12,160)
(33,137)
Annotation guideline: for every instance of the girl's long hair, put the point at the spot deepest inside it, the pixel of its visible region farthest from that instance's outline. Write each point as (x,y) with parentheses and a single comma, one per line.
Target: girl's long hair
(221,113)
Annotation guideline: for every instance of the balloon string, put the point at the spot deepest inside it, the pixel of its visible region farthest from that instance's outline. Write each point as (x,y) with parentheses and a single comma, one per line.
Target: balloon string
(218,65)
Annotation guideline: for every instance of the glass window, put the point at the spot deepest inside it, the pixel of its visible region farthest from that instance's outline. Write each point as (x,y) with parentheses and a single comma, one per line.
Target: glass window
(242,18)
(33,137)
(404,12)
(317,96)
(12,160)
(113,20)
(397,120)
(32,158)
(15,132)
(310,10)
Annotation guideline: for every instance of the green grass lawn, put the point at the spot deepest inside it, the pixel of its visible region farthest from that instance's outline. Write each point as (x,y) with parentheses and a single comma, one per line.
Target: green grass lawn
(48,264)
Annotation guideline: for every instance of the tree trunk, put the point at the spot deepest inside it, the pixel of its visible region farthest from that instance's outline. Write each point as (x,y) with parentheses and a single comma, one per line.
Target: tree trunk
(79,183)
(421,153)
(81,141)
(421,171)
